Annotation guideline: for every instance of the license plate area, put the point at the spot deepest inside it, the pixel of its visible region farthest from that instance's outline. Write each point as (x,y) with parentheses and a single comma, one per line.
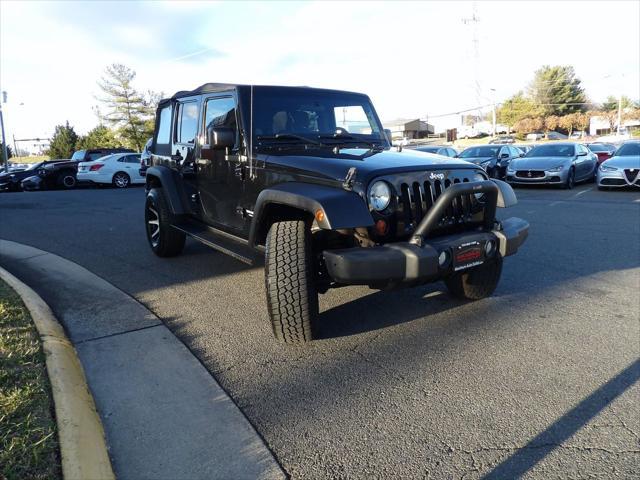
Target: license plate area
(468,255)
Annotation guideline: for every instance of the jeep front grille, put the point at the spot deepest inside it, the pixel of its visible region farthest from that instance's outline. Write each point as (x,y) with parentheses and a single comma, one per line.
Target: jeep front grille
(418,191)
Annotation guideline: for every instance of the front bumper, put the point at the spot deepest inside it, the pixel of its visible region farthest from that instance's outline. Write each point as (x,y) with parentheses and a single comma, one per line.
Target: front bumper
(619,178)
(548,178)
(409,263)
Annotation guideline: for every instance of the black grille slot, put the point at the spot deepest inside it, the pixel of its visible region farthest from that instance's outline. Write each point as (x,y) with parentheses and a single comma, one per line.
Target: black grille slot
(530,173)
(415,199)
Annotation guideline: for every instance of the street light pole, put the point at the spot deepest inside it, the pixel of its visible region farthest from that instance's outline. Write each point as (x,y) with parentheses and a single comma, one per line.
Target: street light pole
(493,110)
(4,140)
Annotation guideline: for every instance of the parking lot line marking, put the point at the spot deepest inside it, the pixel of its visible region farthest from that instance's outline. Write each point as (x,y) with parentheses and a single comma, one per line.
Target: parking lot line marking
(583,191)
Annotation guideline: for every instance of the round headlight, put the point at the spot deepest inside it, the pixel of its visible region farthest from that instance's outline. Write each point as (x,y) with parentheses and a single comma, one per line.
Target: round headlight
(379,195)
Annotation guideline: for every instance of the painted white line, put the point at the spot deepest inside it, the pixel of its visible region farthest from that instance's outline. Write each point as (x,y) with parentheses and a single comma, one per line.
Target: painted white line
(583,191)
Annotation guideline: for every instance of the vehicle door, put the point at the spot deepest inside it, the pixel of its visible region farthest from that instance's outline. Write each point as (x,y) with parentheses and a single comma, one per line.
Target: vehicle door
(221,171)
(183,151)
(590,161)
(131,165)
(583,162)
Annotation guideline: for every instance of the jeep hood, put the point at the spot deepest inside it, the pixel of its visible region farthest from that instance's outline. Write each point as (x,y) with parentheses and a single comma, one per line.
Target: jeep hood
(334,164)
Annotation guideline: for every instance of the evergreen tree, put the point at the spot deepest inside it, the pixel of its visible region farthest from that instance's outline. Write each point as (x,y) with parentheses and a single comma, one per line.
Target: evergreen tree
(557,90)
(127,109)
(63,143)
(99,137)
(9,153)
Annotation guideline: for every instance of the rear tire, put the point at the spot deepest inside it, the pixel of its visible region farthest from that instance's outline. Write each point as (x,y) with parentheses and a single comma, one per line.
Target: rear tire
(121,180)
(164,240)
(477,283)
(292,298)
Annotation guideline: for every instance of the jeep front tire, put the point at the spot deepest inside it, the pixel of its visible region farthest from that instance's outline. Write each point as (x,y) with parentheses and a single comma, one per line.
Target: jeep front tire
(164,240)
(292,298)
(478,282)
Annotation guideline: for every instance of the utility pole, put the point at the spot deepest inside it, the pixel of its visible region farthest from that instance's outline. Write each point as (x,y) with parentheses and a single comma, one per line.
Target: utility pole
(493,111)
(473,21)
(619,113)
(4,140)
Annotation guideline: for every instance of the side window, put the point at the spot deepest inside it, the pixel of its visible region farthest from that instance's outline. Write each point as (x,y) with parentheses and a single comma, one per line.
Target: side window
(187,125)
(452,152)
(132,159)
(220,112)
(122,159)
(164,127)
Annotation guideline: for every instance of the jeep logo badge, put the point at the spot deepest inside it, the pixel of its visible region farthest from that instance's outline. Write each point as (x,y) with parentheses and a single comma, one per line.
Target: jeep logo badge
(529,174)
(436,176)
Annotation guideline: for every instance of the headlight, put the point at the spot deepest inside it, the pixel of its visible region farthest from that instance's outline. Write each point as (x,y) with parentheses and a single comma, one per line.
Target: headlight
(607,168)
(379,195)
(556,169)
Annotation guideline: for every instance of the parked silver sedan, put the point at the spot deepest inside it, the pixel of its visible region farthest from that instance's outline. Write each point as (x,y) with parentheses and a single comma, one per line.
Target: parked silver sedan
(563,164)
(623,169)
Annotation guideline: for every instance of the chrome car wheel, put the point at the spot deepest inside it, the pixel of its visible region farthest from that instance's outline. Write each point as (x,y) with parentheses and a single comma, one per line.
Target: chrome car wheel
(153,225)
(121,180)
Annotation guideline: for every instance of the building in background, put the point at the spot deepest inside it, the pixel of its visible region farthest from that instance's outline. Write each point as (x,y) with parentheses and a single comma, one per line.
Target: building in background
(408,129)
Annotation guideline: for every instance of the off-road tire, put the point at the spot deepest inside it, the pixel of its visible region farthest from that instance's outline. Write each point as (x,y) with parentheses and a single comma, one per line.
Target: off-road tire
(66,179)
(121,180)
(292,298)
(166,241)
(477,283)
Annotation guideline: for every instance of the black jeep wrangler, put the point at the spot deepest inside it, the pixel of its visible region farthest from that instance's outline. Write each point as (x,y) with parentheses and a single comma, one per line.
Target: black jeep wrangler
(307,177)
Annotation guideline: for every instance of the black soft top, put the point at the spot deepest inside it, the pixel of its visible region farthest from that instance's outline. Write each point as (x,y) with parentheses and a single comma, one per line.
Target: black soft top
(225,87)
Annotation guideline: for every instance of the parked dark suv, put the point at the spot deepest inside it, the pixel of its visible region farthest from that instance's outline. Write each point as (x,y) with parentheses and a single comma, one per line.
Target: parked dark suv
(62,173)
(307,178)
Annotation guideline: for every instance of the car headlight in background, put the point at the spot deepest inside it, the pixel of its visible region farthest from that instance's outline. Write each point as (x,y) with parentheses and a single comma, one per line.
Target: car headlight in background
(607,168)
(556,169)
(379,195)
(485,164)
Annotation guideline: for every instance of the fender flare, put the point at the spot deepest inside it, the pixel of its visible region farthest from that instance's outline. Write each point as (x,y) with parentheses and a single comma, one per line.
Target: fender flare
(173,191)
(341,208)
(506,196)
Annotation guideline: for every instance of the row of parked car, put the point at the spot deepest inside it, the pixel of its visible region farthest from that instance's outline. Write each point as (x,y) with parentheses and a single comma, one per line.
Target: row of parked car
(558,163)
(561,163)
(119,167)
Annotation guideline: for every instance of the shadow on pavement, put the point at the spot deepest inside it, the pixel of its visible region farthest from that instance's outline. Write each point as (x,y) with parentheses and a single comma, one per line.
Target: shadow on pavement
(544,443)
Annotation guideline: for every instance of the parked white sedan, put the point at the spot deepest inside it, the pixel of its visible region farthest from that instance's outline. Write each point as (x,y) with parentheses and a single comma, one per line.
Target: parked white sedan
(119,170)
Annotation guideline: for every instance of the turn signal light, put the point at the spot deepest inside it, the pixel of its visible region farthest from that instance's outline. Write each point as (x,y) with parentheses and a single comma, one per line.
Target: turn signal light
(96,167)
(381,227)
(319,215)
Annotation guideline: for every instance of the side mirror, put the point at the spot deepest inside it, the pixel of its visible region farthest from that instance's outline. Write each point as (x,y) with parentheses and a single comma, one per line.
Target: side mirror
(387,132)
(581,154)
(220,137)
(504,155)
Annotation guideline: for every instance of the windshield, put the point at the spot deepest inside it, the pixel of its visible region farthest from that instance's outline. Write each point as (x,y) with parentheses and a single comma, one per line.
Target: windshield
(78,155)
(628,149)
(552,151)
(33,166)
(428,149)
(595,147)
(473,152)
(313,114)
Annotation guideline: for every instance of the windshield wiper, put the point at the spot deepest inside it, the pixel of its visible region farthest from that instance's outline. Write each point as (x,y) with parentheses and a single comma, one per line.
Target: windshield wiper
(349,138)
(289,136)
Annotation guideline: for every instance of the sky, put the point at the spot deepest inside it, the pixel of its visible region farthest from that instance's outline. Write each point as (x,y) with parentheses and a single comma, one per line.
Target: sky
(414,59)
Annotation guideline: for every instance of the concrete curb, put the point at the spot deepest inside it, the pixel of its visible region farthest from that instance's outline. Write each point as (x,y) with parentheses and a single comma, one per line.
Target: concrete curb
(82,443)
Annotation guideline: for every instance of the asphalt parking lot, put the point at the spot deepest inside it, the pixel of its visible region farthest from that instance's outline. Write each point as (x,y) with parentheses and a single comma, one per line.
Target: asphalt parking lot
(540,380)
